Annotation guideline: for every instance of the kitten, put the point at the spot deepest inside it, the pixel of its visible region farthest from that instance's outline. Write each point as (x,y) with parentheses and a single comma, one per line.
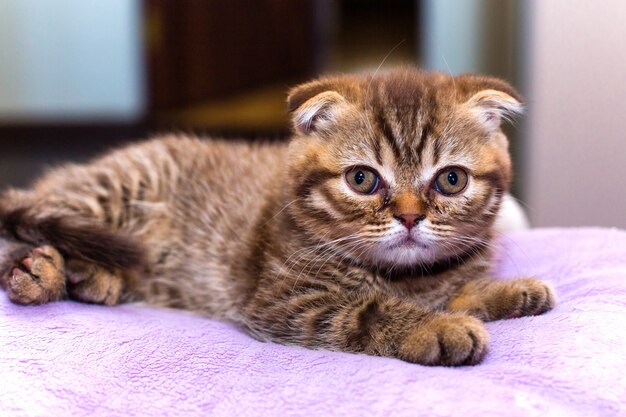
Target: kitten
(371,231)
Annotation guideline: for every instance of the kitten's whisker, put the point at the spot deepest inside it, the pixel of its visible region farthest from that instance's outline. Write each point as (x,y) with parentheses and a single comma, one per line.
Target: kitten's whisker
(281,210)
(507,254)
(301,250)
(329,247)
(341,259)
(322,264)
(305,252)
(380,66)
(364,247)
(456,93)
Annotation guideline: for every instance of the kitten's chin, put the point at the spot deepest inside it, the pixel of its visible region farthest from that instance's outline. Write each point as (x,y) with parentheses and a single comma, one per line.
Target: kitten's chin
(406,252)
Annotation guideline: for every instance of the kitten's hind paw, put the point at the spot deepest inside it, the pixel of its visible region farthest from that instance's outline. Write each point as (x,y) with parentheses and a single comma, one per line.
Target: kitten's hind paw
(37,278)
(92,283)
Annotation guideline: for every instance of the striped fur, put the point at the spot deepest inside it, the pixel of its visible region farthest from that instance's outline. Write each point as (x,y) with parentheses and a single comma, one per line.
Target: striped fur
(272,237)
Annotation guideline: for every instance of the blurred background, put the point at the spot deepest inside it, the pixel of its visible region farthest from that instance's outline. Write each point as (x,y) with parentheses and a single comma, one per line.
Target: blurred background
(78,77)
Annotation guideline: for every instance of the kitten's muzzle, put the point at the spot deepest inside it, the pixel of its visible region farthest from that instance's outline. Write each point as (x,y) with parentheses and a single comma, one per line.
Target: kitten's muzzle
(409,219)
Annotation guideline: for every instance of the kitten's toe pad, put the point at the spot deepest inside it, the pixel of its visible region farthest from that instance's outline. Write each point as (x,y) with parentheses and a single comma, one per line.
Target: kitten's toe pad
(38,278)
(528,297)
(448,340)
(91,283)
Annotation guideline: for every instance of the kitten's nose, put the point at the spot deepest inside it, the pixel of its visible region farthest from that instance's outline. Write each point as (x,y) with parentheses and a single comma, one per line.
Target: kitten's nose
(409,219)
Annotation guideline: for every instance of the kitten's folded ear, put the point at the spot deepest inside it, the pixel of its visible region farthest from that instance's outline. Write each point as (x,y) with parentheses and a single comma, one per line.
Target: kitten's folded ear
(314,106)
(491,100)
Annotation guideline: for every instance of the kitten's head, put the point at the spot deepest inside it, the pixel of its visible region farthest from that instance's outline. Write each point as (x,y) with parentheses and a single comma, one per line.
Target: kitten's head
(402,168)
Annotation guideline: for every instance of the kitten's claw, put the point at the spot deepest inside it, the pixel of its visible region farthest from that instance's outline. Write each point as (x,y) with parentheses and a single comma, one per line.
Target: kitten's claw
(38,278)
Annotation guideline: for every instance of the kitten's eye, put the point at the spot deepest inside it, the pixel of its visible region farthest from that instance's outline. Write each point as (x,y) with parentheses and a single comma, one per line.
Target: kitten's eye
(451,181)
(363,180)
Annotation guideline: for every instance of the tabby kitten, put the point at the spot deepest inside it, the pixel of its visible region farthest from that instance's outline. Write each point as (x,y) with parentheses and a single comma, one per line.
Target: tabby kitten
(371,231)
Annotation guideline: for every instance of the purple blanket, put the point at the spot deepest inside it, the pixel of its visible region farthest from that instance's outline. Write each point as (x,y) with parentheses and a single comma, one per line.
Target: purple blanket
(69,359)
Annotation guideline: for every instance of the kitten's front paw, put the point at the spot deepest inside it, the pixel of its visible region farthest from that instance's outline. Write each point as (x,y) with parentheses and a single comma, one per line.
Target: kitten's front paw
(521,297)
(448,340)
(37,278)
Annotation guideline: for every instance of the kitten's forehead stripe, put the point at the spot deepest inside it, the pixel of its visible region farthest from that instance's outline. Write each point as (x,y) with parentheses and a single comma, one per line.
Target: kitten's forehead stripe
(377,151)
(405,121)
(436,150)
(425,135)
(388,135)
(406,114)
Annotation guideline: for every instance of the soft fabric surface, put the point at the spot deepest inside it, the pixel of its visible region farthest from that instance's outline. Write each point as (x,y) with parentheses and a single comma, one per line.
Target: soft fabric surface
(68,359)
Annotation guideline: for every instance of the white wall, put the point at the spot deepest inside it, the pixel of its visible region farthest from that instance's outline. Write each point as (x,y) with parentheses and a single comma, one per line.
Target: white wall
(70,59)
(575,160)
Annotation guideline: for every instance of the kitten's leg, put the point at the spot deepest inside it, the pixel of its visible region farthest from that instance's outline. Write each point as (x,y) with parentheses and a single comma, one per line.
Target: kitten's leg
(490,299)
(375,325)
(82,212)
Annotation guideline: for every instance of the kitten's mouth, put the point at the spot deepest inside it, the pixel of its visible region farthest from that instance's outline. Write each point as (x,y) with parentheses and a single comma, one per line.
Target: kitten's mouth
(403,249)
(407,242)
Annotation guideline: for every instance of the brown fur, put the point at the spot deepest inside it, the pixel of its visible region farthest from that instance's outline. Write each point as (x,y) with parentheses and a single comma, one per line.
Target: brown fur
(272,238)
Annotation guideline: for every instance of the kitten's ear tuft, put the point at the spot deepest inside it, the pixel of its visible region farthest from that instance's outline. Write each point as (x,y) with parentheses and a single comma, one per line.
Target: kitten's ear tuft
(314,107)
(492,107)
(492,100)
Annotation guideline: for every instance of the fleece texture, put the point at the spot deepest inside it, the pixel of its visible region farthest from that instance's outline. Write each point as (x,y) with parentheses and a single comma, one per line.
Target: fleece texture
(70,359)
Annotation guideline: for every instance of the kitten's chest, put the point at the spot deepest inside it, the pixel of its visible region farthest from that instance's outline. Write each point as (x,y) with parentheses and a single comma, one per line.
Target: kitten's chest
(432,292)
(308,270)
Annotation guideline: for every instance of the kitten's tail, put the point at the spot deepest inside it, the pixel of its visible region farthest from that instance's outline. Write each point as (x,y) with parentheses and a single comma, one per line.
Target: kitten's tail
(73,238)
